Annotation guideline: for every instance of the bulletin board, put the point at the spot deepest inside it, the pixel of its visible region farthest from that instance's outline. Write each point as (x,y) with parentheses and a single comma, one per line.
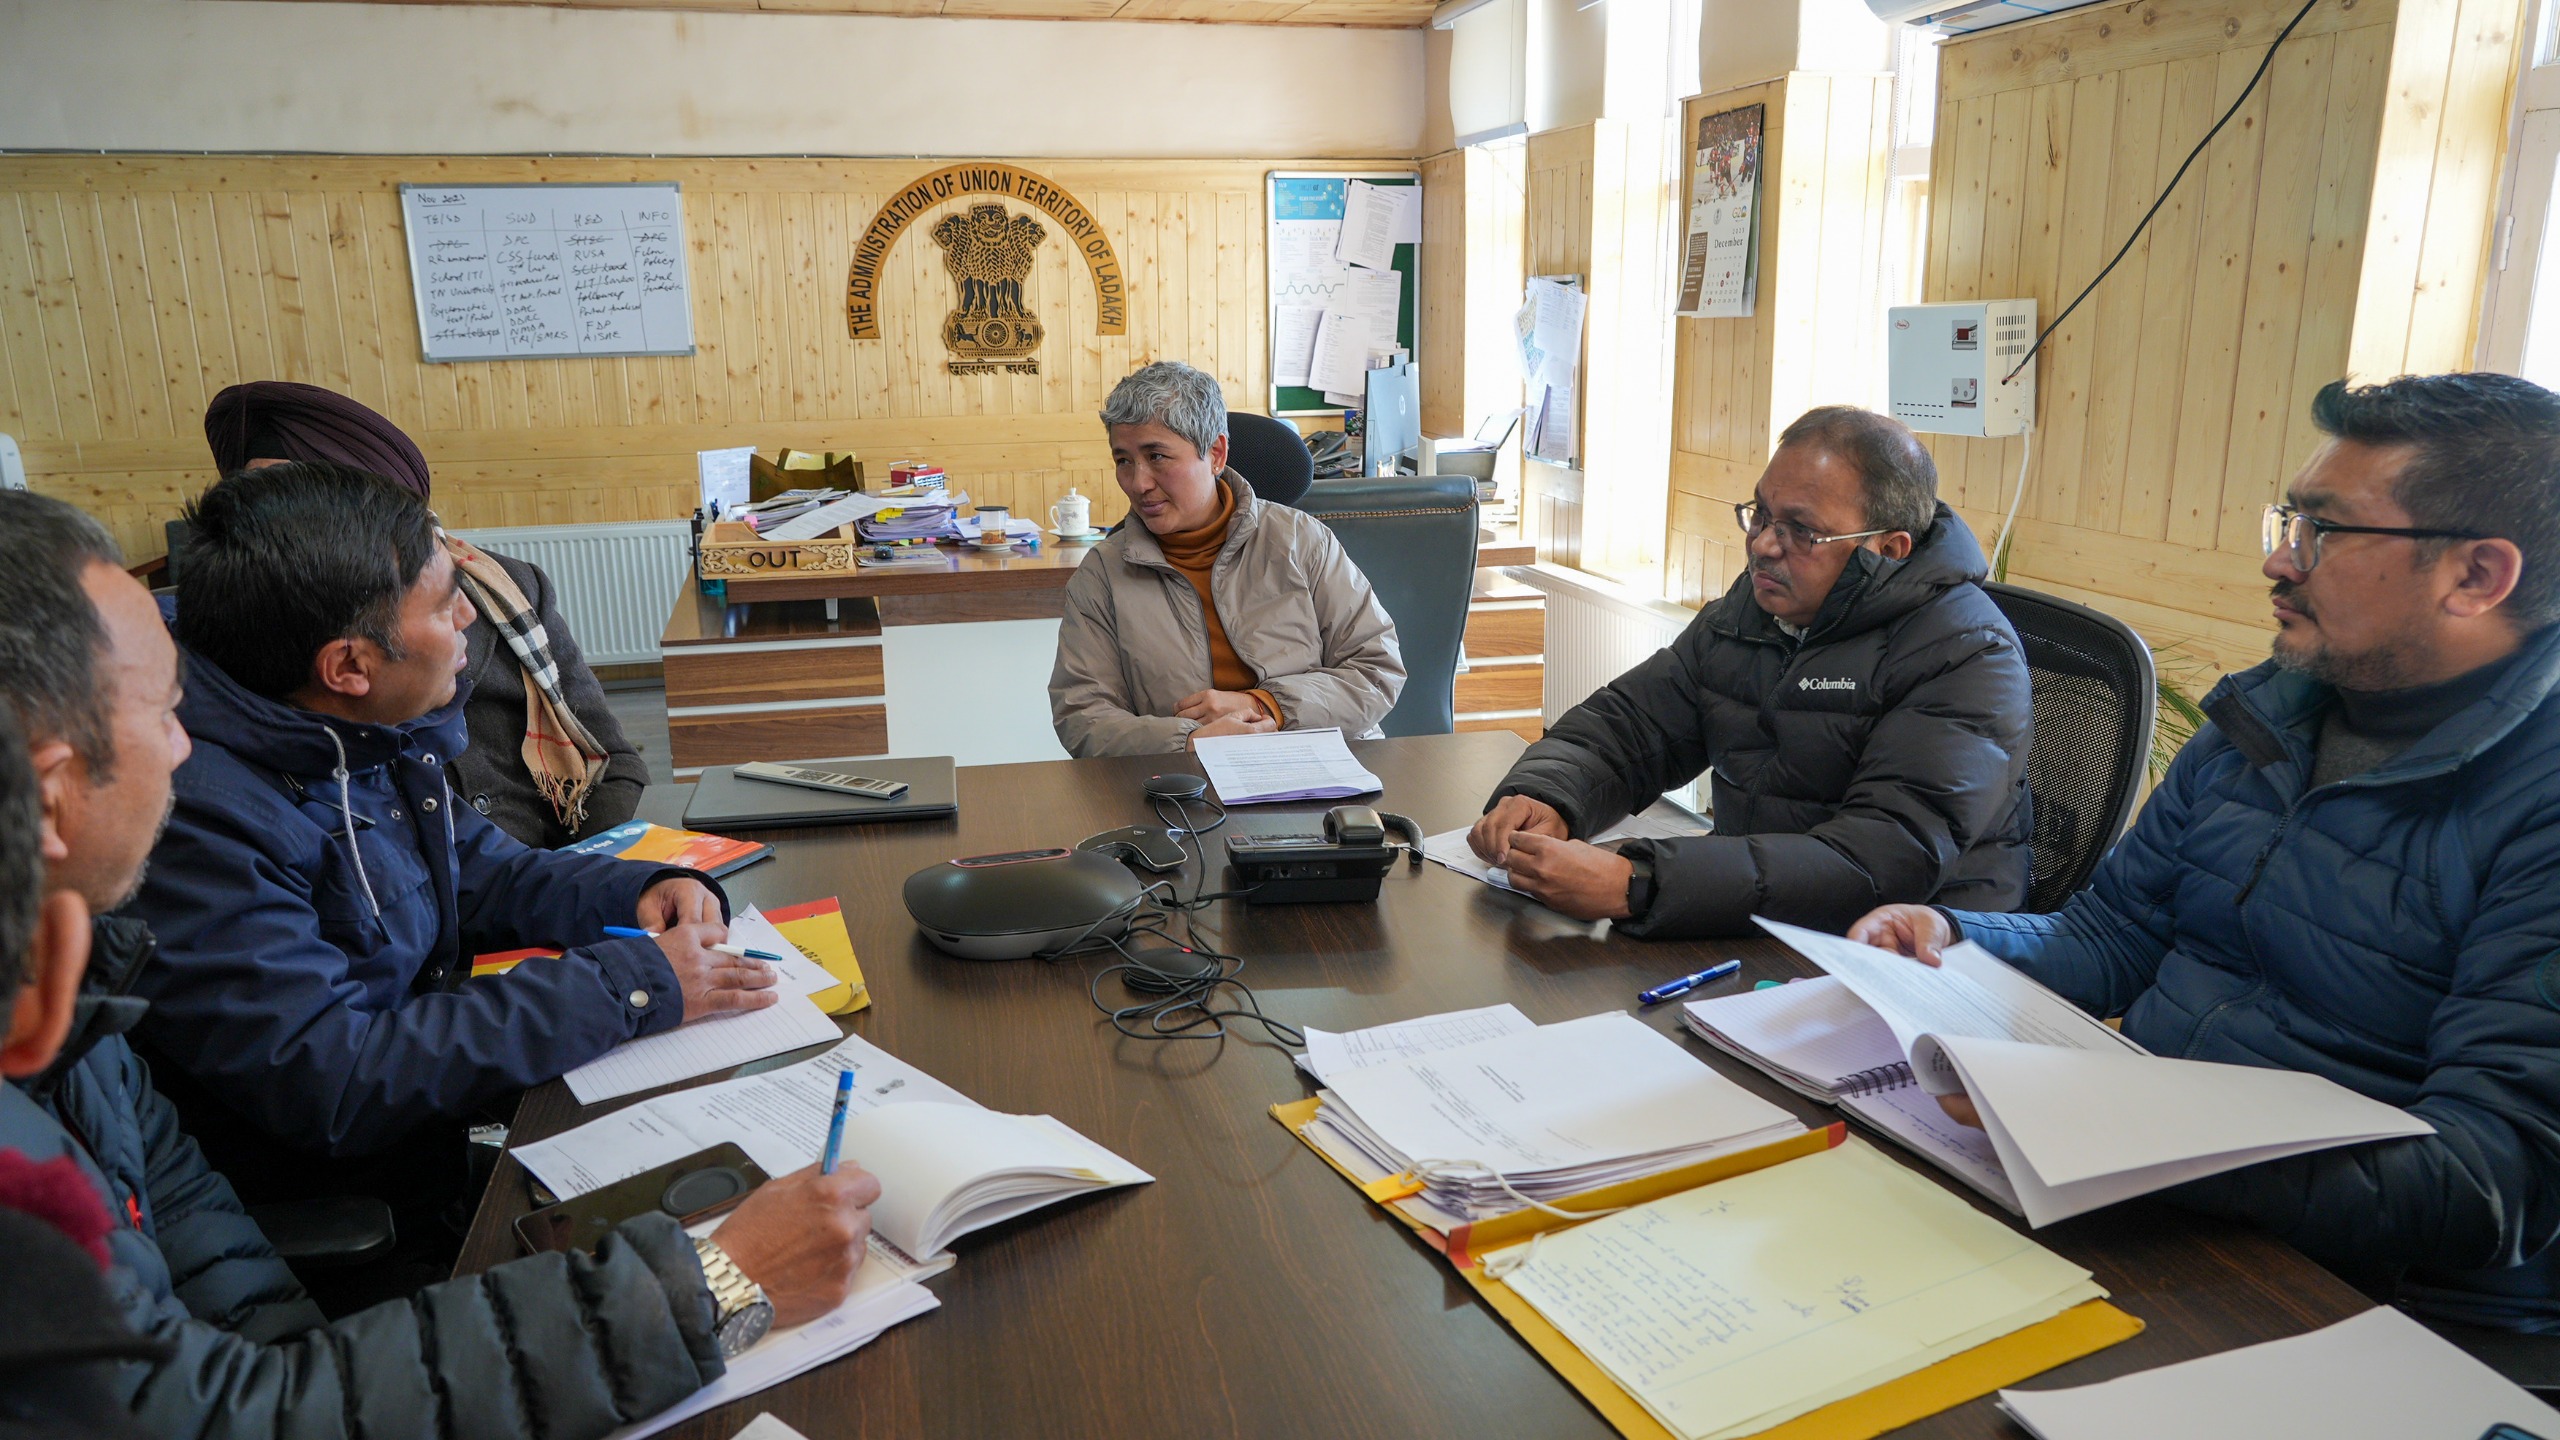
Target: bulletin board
(1297,204)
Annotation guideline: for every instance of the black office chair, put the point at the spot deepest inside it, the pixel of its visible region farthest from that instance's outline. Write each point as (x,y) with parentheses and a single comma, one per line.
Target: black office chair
(1270,455)
(2094,708)
(1415,538)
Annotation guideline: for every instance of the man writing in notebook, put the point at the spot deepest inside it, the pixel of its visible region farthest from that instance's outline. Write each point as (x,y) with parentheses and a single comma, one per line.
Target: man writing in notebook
(318,895)
(1861,701)
(554,1346)
(2354,870)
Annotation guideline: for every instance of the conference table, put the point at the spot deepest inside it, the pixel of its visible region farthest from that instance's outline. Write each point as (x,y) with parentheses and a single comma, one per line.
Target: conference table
(1251,1291)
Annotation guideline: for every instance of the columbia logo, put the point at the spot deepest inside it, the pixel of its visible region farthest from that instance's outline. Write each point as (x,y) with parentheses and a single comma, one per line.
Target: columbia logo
(1809,683)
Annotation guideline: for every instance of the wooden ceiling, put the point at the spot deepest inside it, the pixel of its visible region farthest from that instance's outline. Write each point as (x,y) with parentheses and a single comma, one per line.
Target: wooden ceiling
(1373,14)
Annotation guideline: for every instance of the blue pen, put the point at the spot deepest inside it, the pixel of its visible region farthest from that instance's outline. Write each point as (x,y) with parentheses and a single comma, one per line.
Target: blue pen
(1686,983)
(625,932)
(835,1123)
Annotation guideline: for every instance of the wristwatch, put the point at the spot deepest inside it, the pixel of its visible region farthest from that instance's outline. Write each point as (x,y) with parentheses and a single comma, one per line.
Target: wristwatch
(744,1313)
(1640,885)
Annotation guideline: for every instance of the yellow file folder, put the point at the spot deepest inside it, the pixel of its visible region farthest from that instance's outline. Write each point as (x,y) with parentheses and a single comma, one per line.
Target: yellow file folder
(2081,1330)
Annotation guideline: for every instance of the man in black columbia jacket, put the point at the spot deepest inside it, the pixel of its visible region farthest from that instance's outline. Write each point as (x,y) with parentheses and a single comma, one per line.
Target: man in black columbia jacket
(1862,702)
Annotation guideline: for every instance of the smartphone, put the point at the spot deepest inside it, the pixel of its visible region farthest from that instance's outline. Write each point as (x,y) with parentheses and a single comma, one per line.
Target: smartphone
(695,1188)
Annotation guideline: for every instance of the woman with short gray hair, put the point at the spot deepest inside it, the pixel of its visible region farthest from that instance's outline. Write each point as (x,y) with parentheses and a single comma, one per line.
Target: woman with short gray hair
(1217,613)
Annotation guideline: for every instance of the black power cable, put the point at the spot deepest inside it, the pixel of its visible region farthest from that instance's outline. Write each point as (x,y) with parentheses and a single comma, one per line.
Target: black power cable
(2144,223)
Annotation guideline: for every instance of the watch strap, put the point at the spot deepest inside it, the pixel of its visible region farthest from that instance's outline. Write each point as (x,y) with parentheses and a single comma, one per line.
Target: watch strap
(731,1290)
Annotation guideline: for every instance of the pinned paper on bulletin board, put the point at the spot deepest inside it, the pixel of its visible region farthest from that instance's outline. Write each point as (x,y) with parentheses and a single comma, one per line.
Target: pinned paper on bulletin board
(1343,254)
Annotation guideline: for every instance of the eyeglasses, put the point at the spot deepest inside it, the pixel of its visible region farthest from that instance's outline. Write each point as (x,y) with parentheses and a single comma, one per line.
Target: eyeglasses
(1791,536)
(2300,535)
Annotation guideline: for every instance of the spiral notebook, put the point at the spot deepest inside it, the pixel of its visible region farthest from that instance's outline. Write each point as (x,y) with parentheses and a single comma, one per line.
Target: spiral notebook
(1817,1038)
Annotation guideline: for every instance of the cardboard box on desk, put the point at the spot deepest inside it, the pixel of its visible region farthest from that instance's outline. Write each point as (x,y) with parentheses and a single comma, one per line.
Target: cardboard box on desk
(731,548)
(768,478)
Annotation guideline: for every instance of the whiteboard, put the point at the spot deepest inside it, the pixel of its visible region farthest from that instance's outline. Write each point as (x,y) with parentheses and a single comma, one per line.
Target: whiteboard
(512,272)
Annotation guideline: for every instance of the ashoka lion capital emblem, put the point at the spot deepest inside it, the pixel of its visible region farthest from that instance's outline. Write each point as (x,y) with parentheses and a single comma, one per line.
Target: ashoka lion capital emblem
(988,252)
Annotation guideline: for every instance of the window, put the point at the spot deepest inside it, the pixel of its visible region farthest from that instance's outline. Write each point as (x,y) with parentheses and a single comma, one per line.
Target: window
(2520,332)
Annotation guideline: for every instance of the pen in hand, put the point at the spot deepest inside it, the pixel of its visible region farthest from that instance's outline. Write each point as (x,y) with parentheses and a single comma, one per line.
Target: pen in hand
(1686,983)
(835,1122)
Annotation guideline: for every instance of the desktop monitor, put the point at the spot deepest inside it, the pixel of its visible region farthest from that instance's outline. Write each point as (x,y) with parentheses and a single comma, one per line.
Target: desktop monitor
(1391,411)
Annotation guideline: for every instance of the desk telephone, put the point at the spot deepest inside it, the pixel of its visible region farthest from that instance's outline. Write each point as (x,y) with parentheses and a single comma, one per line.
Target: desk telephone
(1344,863)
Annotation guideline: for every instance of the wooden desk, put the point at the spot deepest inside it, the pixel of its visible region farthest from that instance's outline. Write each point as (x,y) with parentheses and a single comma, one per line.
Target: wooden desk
(1250,1291)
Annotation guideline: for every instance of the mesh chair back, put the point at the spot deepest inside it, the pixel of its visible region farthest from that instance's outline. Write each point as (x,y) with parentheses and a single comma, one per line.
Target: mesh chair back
(2094,708)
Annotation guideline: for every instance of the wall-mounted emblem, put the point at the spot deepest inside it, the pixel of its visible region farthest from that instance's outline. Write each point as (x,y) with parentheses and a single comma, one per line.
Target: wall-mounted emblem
(992,329)
(988,250)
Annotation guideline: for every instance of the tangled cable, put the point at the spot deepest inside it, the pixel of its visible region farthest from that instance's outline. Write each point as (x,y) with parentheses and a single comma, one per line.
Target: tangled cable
(1180,994)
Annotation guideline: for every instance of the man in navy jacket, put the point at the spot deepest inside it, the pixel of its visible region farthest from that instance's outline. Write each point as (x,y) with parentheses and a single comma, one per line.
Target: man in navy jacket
(318,895)
(2354,871)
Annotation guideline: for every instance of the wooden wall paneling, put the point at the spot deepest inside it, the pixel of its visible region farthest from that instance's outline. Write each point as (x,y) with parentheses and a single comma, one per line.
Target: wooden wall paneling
(1738,382)
(2256,463)
(2116,332)
(1446,206)
(2337,226)
(134,287)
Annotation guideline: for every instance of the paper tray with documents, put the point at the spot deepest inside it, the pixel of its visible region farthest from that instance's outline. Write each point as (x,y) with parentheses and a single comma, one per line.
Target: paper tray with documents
(2081,1330)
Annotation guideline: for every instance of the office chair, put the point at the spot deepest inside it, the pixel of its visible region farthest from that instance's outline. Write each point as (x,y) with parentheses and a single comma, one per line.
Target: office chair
(2094,708)
(1415,538)
(1270,456)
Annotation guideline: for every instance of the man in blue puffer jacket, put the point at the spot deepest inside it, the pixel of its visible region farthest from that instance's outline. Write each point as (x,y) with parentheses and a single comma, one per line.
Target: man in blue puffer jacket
(318,895)
(553,1346)
(2354,871)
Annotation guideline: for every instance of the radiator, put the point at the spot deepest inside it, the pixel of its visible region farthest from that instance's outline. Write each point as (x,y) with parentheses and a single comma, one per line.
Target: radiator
(615,582)
(1596,631)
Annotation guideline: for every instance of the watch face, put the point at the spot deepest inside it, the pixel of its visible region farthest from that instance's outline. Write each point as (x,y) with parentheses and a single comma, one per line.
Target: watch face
(741,1331)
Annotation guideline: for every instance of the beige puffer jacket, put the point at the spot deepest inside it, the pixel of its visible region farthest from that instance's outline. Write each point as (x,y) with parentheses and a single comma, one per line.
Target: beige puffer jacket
(1299,613)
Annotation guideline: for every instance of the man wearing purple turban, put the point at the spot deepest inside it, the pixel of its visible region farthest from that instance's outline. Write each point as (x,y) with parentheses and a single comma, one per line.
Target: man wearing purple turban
(548,762)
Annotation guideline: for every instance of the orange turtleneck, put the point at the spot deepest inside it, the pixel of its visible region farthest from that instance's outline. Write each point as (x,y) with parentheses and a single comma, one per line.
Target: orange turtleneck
(1193,552)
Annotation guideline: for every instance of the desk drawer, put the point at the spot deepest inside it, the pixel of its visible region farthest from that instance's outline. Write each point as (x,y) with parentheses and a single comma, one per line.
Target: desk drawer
(756,677)
(694,741)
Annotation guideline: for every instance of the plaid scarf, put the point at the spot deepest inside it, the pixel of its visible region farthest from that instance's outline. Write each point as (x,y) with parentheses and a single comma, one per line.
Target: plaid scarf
(563,758)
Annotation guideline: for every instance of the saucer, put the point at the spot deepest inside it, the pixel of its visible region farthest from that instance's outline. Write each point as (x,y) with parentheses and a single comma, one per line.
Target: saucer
(1004,544)
(1085,534)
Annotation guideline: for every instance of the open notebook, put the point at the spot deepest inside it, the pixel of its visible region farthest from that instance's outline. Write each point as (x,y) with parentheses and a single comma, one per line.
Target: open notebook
(952,1168)
(1817,1038)
(2079,1116)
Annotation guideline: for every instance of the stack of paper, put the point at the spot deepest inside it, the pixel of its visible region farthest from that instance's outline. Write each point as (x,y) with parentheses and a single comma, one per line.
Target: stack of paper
(929,518)
(1547,1112)
(1736,1306)
(1329,1054)
(2379,1376)
(1283,765)
(810,522)
(2080,1116)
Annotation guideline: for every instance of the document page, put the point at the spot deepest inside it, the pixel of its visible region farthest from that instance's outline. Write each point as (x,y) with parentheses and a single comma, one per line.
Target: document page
(1605,1087)
(698,1047)
(748,929)
(1973,993)
(1329,1054)
(1660,821)
(779,1118)
(1737,1305)
(2378,1376)
(2081,1129)
(1283,765)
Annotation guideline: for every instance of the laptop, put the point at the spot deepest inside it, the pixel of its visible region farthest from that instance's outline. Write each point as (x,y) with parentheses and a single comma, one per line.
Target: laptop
(721,800)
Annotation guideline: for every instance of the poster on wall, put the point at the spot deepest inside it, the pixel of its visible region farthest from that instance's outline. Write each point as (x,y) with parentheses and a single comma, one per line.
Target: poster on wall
(1720,258)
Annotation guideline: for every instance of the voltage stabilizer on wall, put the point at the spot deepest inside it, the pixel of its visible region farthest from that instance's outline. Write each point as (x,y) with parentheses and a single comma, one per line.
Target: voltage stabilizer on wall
(1956,368)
